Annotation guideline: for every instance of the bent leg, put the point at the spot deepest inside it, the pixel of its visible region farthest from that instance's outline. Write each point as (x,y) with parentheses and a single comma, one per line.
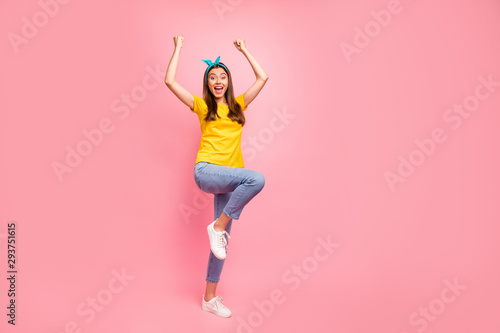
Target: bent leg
(233,188)
(245,184)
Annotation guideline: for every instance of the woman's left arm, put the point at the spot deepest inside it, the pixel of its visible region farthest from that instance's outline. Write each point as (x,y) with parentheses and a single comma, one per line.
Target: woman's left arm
(260,74)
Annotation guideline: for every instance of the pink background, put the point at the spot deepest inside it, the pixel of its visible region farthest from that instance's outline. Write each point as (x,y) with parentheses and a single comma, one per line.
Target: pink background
(120,208)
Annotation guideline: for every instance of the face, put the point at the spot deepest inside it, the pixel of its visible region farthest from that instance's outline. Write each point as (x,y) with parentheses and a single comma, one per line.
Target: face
(217,81)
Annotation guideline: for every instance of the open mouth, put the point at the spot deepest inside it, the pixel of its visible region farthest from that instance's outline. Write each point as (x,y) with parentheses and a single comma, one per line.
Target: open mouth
(218,90)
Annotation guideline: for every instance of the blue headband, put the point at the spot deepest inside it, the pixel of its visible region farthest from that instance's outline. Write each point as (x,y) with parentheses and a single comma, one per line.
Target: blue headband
(210,64)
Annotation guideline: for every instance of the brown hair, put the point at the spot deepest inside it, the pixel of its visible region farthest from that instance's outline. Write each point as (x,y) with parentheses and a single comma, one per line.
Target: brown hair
(235,111)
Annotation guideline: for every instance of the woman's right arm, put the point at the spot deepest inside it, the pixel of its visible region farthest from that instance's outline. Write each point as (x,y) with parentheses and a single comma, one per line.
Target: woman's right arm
(185,96)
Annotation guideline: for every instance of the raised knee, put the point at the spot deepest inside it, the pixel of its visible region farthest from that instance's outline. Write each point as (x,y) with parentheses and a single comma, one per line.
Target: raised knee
(260,180)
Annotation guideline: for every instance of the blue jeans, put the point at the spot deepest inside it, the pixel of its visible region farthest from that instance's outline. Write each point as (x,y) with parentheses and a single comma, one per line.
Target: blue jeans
(233,188)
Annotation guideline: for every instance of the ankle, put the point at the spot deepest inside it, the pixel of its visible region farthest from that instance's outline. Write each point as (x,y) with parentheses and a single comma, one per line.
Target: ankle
(208,297)
(218,227)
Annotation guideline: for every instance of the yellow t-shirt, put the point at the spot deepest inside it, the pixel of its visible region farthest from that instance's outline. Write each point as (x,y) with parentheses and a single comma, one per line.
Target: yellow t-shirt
(221,138)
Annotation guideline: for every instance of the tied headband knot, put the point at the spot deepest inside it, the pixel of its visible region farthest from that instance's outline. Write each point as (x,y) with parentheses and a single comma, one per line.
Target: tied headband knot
(210,64)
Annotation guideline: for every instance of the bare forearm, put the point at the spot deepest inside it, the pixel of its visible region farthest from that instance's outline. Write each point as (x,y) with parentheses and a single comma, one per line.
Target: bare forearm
(257,68)
(172,66)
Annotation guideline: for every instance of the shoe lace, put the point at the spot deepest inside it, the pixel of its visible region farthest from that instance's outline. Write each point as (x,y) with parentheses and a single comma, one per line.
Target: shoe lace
(218,303)
(221,240)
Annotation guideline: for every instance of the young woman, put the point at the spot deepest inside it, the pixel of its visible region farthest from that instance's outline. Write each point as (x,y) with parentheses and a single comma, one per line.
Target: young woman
(219,167)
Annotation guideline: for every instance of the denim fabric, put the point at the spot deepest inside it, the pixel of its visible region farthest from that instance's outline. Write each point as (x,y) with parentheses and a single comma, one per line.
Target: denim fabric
(233,188)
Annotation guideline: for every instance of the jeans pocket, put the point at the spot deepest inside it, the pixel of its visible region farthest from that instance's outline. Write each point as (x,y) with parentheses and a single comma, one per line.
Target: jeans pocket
(200,166)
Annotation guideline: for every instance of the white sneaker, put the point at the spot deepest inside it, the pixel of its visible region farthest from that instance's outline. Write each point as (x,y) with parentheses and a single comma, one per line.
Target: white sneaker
(215,306)
(217,241)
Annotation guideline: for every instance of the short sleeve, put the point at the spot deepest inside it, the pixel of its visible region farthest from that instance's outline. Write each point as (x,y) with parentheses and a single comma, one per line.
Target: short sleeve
(241,101)
(199,104)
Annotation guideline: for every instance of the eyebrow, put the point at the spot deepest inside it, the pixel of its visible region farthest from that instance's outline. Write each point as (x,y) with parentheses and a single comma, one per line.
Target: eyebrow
(215,74)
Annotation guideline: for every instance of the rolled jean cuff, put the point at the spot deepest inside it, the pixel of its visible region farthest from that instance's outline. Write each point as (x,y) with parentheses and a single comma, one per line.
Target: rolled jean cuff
(212,281)
(234,217)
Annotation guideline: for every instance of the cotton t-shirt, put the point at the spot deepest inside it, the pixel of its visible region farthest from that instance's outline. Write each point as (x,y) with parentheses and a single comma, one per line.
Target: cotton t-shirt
(221,138)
